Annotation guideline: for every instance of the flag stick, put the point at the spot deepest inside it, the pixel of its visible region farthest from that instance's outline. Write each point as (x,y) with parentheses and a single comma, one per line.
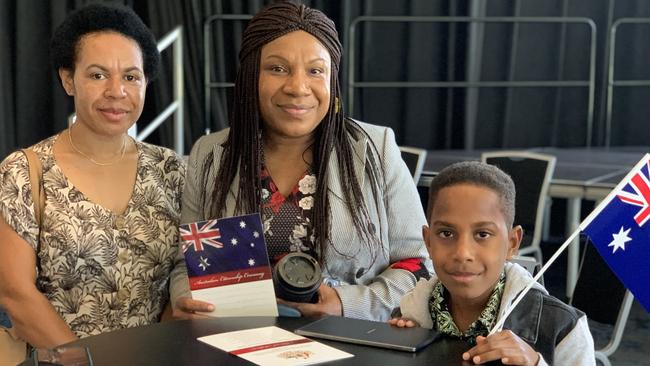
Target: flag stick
(523,293)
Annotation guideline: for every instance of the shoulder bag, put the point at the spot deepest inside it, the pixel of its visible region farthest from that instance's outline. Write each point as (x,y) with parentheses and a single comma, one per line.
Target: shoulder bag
(12,349)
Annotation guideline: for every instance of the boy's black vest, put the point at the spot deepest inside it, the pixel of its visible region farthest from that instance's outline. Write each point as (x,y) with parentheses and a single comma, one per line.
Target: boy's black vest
(542,321)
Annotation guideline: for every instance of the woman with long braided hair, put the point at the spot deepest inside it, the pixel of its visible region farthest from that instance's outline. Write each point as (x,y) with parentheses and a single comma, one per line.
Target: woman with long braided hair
(325,185)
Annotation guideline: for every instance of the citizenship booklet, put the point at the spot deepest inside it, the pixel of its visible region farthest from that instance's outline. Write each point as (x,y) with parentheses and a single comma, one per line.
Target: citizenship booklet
(228,265)
(274,346)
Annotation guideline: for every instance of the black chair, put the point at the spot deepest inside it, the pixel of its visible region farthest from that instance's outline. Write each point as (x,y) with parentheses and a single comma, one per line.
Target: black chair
(531,173)
(414,158)
(600,295)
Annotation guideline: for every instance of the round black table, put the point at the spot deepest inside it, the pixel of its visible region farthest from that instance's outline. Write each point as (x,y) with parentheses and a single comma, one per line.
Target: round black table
(174,343)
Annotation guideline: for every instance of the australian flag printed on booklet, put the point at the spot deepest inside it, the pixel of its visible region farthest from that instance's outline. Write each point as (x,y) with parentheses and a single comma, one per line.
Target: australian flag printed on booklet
(228,265)
(620,229)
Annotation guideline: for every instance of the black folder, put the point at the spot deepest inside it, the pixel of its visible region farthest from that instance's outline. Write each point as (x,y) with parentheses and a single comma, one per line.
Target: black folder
(369,333)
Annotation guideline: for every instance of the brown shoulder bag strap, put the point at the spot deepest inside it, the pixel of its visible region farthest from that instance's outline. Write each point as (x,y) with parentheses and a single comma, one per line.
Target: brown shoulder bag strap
(36,180)
(38,196)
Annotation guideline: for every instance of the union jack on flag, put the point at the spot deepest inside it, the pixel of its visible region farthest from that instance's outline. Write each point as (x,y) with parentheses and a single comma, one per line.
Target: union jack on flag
(197,234)
(617,229)
(638,194)
(224,245)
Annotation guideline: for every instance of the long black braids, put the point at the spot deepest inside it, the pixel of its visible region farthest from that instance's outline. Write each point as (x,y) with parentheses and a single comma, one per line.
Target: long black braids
(242,149)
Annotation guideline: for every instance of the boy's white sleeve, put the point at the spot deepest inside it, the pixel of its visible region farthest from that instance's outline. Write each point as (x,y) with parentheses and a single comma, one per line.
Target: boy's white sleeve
(415,304)
(577,348)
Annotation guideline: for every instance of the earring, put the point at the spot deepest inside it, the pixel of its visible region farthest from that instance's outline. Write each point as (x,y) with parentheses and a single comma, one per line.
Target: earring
(337,105)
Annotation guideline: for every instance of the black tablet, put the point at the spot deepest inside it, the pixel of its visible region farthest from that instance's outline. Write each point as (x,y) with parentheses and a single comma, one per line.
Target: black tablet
(369,333)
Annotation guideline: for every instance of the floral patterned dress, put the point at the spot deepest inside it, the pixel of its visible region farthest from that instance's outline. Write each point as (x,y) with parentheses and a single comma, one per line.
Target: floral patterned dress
(101,271)
(287,220)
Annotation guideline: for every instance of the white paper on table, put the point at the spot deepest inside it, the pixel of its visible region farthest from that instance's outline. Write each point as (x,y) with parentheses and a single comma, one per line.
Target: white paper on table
(245,299)
(274,346)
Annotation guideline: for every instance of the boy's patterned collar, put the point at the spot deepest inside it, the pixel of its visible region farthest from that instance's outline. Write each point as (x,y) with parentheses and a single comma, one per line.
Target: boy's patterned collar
(444,322)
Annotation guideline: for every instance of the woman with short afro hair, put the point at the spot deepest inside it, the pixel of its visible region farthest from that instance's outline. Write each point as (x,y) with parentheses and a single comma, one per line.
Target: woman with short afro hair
(105,239)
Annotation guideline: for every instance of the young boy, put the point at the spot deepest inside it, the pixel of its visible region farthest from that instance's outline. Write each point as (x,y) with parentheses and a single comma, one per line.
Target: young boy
(470,238)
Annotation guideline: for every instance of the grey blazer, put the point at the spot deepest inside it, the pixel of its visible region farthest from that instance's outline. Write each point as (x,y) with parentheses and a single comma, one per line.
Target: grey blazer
(368,289)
